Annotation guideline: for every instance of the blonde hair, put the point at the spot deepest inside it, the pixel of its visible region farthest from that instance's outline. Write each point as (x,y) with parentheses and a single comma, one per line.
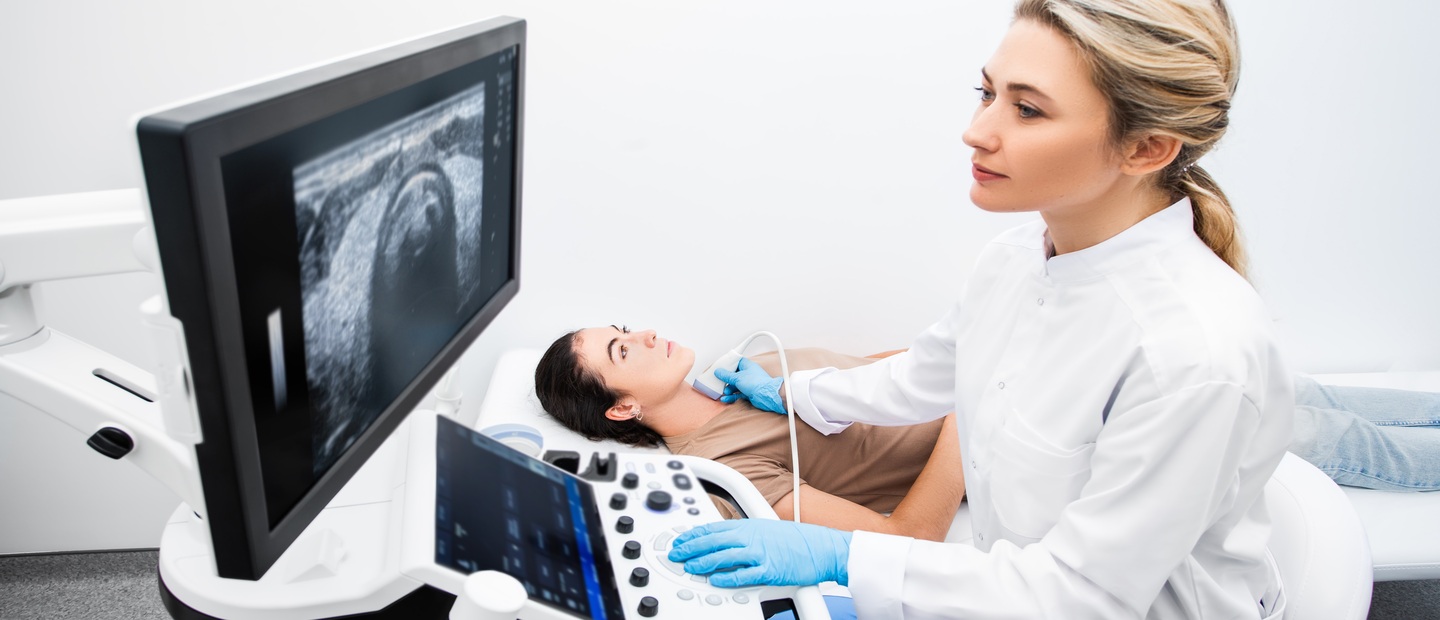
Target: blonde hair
(1166,67)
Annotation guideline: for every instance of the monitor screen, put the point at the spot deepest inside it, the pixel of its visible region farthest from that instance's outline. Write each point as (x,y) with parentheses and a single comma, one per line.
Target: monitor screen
(524,518)
(332,241)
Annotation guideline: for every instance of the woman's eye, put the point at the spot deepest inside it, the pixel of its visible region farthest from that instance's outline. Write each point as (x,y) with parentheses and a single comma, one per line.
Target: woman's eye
(985,94)
(1027,111)
(623,351)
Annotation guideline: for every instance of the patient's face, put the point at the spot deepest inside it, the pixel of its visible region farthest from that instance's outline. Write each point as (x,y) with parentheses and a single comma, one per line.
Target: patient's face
(649,368)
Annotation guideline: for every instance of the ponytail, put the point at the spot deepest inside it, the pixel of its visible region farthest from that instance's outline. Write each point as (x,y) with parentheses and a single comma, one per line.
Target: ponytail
(1215,221)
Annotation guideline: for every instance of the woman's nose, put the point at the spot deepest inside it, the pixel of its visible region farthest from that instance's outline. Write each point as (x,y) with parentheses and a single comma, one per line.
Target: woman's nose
(979,135)
(649,337)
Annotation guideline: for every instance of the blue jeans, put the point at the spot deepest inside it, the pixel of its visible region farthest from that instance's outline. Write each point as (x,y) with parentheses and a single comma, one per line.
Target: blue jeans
(1369,437)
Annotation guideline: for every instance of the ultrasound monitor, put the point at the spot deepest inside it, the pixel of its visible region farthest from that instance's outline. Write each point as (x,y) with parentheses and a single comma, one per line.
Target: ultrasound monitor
(332,241)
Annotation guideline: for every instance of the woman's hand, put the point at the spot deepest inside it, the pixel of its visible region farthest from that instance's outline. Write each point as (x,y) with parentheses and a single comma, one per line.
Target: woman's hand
(752,382)
(764,552)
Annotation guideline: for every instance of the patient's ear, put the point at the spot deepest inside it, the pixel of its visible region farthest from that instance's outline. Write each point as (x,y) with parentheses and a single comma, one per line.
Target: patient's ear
(623,410)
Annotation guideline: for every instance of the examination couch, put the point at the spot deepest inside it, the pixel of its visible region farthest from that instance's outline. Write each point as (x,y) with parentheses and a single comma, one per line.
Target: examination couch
(1328,551)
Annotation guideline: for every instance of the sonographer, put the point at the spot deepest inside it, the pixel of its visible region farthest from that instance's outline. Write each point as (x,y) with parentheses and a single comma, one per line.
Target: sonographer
(1121,402)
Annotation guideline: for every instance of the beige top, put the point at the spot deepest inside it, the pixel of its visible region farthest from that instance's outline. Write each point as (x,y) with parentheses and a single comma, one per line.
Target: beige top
(873,466)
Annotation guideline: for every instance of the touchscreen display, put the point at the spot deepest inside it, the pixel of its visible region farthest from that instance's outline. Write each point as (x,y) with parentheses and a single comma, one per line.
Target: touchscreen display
(497,509)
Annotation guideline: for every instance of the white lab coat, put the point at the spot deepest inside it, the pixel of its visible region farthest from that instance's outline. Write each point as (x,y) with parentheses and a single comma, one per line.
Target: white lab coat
(1120,411)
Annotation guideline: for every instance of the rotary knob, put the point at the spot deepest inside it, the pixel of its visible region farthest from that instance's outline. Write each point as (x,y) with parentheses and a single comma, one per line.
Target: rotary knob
(659,501)
(649,607)
(625,525)
(639,577)
(630,480)
(631,550)
(617,501)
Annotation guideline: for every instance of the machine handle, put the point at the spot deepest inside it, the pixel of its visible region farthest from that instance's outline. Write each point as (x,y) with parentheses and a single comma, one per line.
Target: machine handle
(489,595)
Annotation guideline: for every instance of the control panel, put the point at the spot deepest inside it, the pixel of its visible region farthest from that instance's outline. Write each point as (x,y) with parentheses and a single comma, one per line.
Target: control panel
(645,502)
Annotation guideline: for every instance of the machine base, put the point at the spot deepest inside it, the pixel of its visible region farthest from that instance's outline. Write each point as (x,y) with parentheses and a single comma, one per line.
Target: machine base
(424,602)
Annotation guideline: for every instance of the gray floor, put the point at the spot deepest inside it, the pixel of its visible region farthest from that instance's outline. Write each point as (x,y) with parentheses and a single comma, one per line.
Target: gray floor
(122,585)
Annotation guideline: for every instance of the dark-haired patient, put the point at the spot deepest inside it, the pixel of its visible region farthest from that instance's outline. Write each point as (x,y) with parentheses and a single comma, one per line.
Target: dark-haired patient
(610,383)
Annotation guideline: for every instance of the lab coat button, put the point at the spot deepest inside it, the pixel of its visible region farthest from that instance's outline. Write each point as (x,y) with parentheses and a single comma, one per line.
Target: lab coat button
(1001,385)
(1040,302)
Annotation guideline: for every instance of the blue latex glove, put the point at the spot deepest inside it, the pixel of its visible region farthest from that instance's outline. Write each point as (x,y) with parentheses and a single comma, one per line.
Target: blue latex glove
(751,381)
(764,552)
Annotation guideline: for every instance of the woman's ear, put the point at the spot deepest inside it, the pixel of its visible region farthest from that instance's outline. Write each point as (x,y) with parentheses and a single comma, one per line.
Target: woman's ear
(626,409)
(1150,153)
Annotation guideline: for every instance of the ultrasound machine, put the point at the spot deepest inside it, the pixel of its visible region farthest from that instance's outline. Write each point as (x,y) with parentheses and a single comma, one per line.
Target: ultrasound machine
(331,241)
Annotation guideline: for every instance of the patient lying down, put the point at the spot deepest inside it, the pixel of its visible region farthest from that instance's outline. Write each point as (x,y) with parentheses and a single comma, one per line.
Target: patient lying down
(611,383)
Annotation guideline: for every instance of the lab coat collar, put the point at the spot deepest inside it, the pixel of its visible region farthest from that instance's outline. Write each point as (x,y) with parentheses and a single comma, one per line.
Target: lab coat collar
(1162,229)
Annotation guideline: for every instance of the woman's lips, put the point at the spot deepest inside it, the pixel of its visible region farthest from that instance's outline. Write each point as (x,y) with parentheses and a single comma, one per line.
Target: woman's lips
(984,175)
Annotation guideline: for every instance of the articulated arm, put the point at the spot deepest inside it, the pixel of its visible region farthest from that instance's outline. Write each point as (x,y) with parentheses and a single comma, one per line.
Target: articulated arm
(121,407)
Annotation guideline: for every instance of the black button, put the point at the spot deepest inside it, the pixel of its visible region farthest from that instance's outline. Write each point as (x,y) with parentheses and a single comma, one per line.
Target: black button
(639,577)
(625,525)
(617,501)
(682,482)
(631,550)
(675,465)
(630,480)
(649,607)
(659,501)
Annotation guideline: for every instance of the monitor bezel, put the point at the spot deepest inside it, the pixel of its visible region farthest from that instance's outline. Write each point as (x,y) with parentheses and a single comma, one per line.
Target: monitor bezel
(181,149)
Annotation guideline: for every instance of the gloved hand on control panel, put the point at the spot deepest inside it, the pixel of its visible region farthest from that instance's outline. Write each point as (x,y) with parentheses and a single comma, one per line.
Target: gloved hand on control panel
(756,552)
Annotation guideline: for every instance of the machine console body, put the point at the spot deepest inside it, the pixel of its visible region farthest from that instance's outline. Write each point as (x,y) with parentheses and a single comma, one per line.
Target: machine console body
(582,548)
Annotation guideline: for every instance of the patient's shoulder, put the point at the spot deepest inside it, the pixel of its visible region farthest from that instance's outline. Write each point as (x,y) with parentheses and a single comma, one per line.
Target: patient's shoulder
(808,358)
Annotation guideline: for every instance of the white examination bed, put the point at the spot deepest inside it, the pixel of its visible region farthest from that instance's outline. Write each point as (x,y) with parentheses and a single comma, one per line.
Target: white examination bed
(1403,528)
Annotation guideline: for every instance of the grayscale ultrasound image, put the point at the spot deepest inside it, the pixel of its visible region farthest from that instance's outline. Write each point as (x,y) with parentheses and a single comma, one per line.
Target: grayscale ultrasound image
(390,237)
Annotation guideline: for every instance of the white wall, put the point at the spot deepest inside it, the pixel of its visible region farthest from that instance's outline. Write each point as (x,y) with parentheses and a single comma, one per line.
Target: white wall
(712,168)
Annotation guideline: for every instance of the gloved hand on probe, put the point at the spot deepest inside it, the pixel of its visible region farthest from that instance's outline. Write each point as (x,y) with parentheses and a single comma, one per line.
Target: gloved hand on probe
(751,381)
(764,552)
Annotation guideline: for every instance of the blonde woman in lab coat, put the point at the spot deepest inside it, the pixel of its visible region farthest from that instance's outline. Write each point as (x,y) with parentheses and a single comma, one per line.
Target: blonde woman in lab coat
(1121,401)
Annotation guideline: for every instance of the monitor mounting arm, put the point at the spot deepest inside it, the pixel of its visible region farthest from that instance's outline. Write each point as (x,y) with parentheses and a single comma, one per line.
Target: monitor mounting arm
(146,418)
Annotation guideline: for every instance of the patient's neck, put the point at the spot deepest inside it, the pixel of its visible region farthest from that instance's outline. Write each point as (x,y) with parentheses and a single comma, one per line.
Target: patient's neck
(685,412)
